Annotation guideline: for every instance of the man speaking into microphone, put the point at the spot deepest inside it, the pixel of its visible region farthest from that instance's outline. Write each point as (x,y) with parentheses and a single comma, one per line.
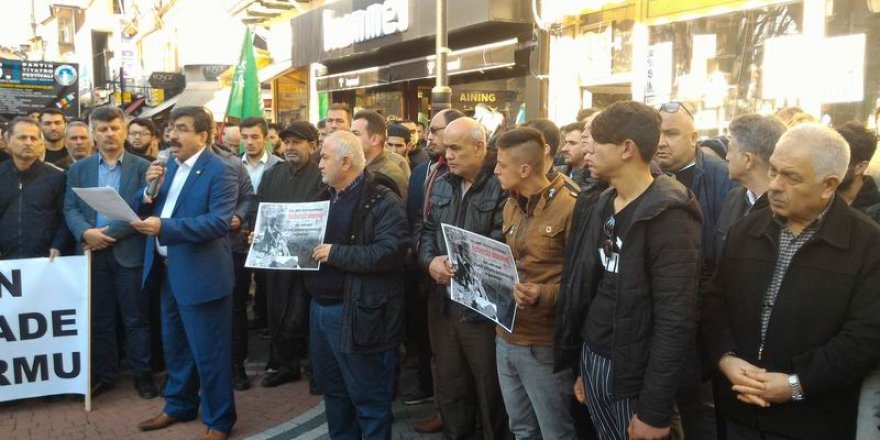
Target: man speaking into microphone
(187,224)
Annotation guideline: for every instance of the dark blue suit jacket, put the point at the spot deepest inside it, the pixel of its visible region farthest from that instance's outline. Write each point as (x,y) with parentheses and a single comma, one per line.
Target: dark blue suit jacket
(129,247)
(199,255)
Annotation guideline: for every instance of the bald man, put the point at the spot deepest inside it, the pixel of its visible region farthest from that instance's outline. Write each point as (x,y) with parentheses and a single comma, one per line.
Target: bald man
(469,197)
(707,177)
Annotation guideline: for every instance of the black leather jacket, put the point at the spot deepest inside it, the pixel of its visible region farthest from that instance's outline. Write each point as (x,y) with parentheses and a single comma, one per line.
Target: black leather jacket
(481,211)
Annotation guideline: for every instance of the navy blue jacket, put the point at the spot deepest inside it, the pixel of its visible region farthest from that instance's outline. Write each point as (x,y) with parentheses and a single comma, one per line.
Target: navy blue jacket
(711,185)
(196,233)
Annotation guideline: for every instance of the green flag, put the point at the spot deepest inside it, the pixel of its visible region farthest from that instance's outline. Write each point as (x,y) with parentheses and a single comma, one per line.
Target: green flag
(244,99)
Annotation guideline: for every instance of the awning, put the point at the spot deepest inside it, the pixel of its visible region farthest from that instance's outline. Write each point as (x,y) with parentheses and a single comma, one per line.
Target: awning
(199,94)
(149,112)
(274,70)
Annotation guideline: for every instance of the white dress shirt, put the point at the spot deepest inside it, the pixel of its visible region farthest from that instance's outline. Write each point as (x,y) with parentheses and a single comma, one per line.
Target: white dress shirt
(256,171)
(180,176)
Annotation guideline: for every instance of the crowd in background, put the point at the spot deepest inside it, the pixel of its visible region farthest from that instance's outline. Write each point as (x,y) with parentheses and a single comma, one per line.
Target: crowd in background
(671,286)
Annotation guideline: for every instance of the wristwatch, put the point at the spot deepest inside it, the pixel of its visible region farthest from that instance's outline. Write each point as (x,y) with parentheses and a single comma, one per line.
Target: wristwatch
(797,393)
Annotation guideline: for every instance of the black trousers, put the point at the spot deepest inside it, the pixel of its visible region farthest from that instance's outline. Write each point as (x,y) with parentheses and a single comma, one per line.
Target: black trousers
(417,342)
(466,374)
(288,313)
(240,294)
(738,431)
(260,312)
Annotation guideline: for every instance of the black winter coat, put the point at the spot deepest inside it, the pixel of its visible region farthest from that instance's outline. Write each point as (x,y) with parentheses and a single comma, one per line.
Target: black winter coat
(824,327)
(372,259)
(480,211)
(32,211)
(655,315)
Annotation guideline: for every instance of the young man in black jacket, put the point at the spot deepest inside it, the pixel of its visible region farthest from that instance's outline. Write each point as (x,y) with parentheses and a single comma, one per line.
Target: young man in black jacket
(791,318)
(628,296)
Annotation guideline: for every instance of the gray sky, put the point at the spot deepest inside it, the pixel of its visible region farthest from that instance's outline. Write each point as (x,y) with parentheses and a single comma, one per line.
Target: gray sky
(15,28)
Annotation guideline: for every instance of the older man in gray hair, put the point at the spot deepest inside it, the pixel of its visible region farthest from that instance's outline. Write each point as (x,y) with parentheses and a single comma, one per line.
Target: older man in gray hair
(792,319)
(357,295)
(752,139)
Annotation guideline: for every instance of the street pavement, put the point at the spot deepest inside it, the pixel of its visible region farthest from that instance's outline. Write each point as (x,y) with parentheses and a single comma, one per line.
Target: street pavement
(281,413)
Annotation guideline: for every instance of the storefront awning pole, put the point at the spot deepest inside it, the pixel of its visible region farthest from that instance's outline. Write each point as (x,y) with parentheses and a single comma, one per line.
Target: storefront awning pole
(441,94)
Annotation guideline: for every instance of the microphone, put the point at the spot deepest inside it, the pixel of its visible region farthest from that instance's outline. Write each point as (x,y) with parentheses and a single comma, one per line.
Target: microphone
(162,159)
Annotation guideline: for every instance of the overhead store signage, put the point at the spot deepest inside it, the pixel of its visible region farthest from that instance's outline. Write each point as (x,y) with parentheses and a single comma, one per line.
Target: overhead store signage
(475,59)
(376,20)
(28,86)
(167,80)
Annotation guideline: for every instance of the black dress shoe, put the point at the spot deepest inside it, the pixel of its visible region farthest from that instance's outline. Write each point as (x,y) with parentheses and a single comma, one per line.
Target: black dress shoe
(145,387)
(240,380)
(100,387)
(281,377)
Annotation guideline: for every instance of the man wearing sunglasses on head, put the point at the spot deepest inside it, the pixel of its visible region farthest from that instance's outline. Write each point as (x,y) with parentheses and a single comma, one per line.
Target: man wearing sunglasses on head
(708,178)
(626,309)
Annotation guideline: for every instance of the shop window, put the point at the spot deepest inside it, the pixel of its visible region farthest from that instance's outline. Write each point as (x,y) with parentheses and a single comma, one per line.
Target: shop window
(717,63)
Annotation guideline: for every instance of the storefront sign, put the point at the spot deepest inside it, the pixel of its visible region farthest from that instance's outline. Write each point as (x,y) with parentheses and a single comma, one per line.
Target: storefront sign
(494,98)
(377,20)
(167,80)
(27,86)
(658,86)
(837,63)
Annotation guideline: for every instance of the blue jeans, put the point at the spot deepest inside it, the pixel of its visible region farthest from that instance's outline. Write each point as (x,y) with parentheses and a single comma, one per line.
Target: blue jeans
(112,286)
(358,388)
(536,398)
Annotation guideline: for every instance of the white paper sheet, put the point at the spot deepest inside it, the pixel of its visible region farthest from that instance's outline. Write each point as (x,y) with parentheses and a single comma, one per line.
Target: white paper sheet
(108,202)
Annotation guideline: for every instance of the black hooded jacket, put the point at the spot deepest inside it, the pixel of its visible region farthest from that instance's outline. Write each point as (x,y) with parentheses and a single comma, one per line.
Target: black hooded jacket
(655,314)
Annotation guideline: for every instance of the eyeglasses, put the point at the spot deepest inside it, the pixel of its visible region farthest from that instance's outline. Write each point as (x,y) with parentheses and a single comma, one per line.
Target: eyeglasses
(673,106)
(608,244)
(139,133)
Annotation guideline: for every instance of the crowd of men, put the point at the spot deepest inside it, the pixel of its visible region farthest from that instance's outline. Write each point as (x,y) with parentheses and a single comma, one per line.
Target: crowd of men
(669,287)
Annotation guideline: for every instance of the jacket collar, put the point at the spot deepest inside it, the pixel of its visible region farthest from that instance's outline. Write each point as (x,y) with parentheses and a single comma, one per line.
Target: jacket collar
(664,193)
(869,194)
(833,228)
(540,199)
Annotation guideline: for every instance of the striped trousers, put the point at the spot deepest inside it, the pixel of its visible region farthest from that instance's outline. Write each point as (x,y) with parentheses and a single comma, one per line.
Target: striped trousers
(611,416)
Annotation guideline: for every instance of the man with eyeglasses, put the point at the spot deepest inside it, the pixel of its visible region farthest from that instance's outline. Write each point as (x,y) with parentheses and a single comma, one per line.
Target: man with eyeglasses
(420,183)
(626,310)
(142,138)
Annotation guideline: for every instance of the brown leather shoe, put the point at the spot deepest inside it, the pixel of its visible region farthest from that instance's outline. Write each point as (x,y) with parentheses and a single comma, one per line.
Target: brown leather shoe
(214,434)
(434,424)
(159,422)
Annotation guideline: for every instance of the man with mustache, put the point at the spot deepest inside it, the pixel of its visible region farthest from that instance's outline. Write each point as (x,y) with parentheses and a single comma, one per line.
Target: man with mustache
(188,252)
(117,254)
(31,197)
(791,317)
(295,181)
(78,142)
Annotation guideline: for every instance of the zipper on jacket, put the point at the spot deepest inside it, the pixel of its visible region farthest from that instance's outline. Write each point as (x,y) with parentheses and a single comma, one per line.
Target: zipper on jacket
(20,210)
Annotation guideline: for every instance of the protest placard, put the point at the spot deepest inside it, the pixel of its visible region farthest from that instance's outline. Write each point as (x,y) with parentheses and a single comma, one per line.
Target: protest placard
(44,327)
